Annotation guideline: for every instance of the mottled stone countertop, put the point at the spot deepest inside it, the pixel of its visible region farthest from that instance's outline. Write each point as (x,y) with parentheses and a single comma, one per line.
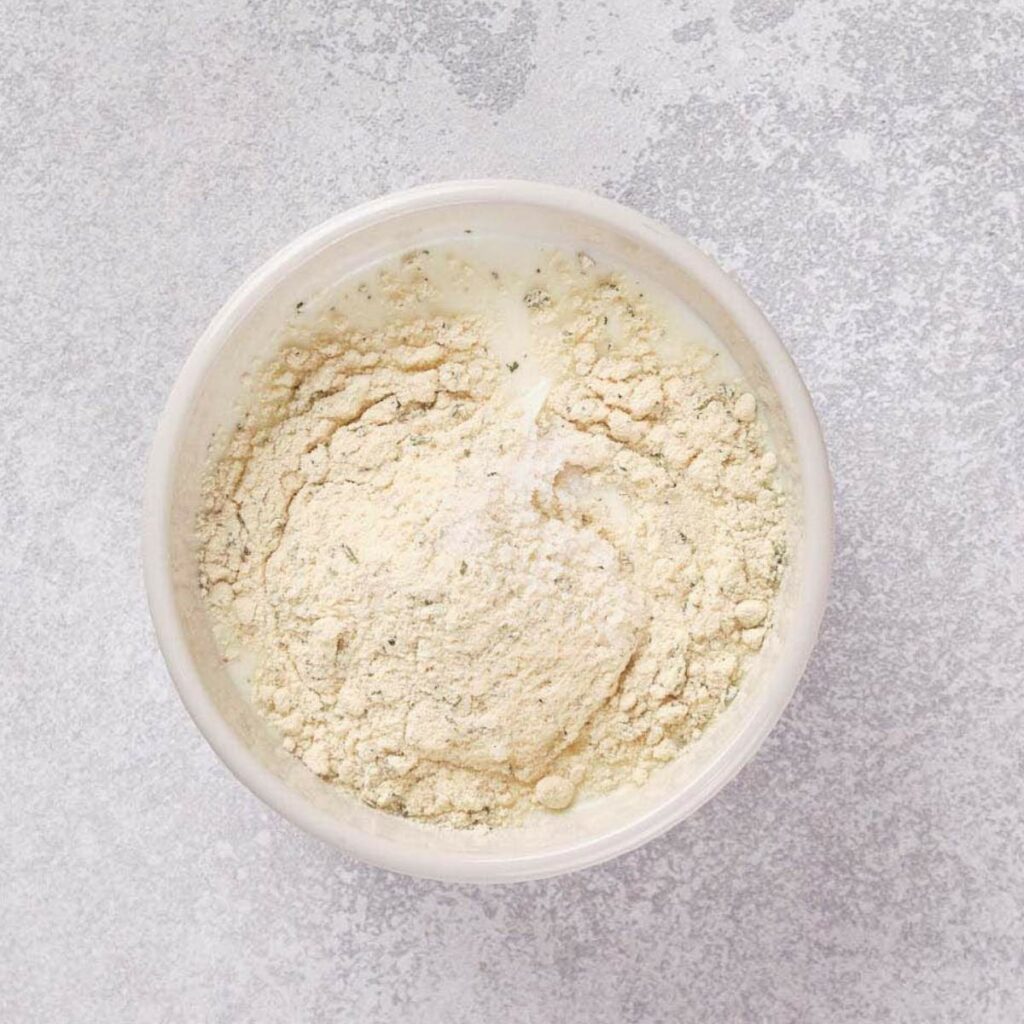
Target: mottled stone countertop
(858,165)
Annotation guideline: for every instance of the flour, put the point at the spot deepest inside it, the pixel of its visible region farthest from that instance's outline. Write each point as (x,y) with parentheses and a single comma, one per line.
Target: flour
(473,587)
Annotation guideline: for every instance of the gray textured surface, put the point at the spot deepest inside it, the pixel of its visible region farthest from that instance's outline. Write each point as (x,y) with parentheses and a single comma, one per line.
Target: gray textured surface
(858,165)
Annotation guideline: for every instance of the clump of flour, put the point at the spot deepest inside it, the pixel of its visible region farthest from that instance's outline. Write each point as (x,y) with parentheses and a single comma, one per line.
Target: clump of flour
(465,603)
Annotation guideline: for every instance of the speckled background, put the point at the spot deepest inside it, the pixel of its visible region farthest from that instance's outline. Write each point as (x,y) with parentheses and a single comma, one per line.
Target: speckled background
(858,165)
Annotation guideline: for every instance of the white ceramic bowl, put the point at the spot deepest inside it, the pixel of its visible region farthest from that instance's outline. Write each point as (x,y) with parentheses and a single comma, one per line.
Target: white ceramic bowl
(203,401)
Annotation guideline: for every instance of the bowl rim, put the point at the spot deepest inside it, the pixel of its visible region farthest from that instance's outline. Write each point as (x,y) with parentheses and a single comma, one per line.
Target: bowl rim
(817,526)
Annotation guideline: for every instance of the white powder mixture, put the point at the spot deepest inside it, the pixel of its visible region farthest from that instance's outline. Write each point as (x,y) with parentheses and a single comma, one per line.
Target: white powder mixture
(475,585)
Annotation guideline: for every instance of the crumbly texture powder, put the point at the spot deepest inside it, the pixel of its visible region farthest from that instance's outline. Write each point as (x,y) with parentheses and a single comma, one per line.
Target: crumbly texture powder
(465,605)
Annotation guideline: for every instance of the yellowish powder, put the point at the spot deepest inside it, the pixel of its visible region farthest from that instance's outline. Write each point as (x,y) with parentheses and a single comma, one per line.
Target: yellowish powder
(465,600)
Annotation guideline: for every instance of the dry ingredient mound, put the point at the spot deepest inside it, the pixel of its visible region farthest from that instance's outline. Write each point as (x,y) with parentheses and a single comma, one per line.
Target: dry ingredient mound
(464,603)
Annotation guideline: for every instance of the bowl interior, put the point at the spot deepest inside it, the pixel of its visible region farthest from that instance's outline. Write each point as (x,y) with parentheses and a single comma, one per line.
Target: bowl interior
(204,404)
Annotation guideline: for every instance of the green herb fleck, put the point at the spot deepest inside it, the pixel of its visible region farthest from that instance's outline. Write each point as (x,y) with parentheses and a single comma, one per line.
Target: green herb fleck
(463,568)
(350,554)
(513,366)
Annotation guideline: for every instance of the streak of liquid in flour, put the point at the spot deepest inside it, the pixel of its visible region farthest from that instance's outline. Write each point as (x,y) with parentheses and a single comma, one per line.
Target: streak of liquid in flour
(497,278)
